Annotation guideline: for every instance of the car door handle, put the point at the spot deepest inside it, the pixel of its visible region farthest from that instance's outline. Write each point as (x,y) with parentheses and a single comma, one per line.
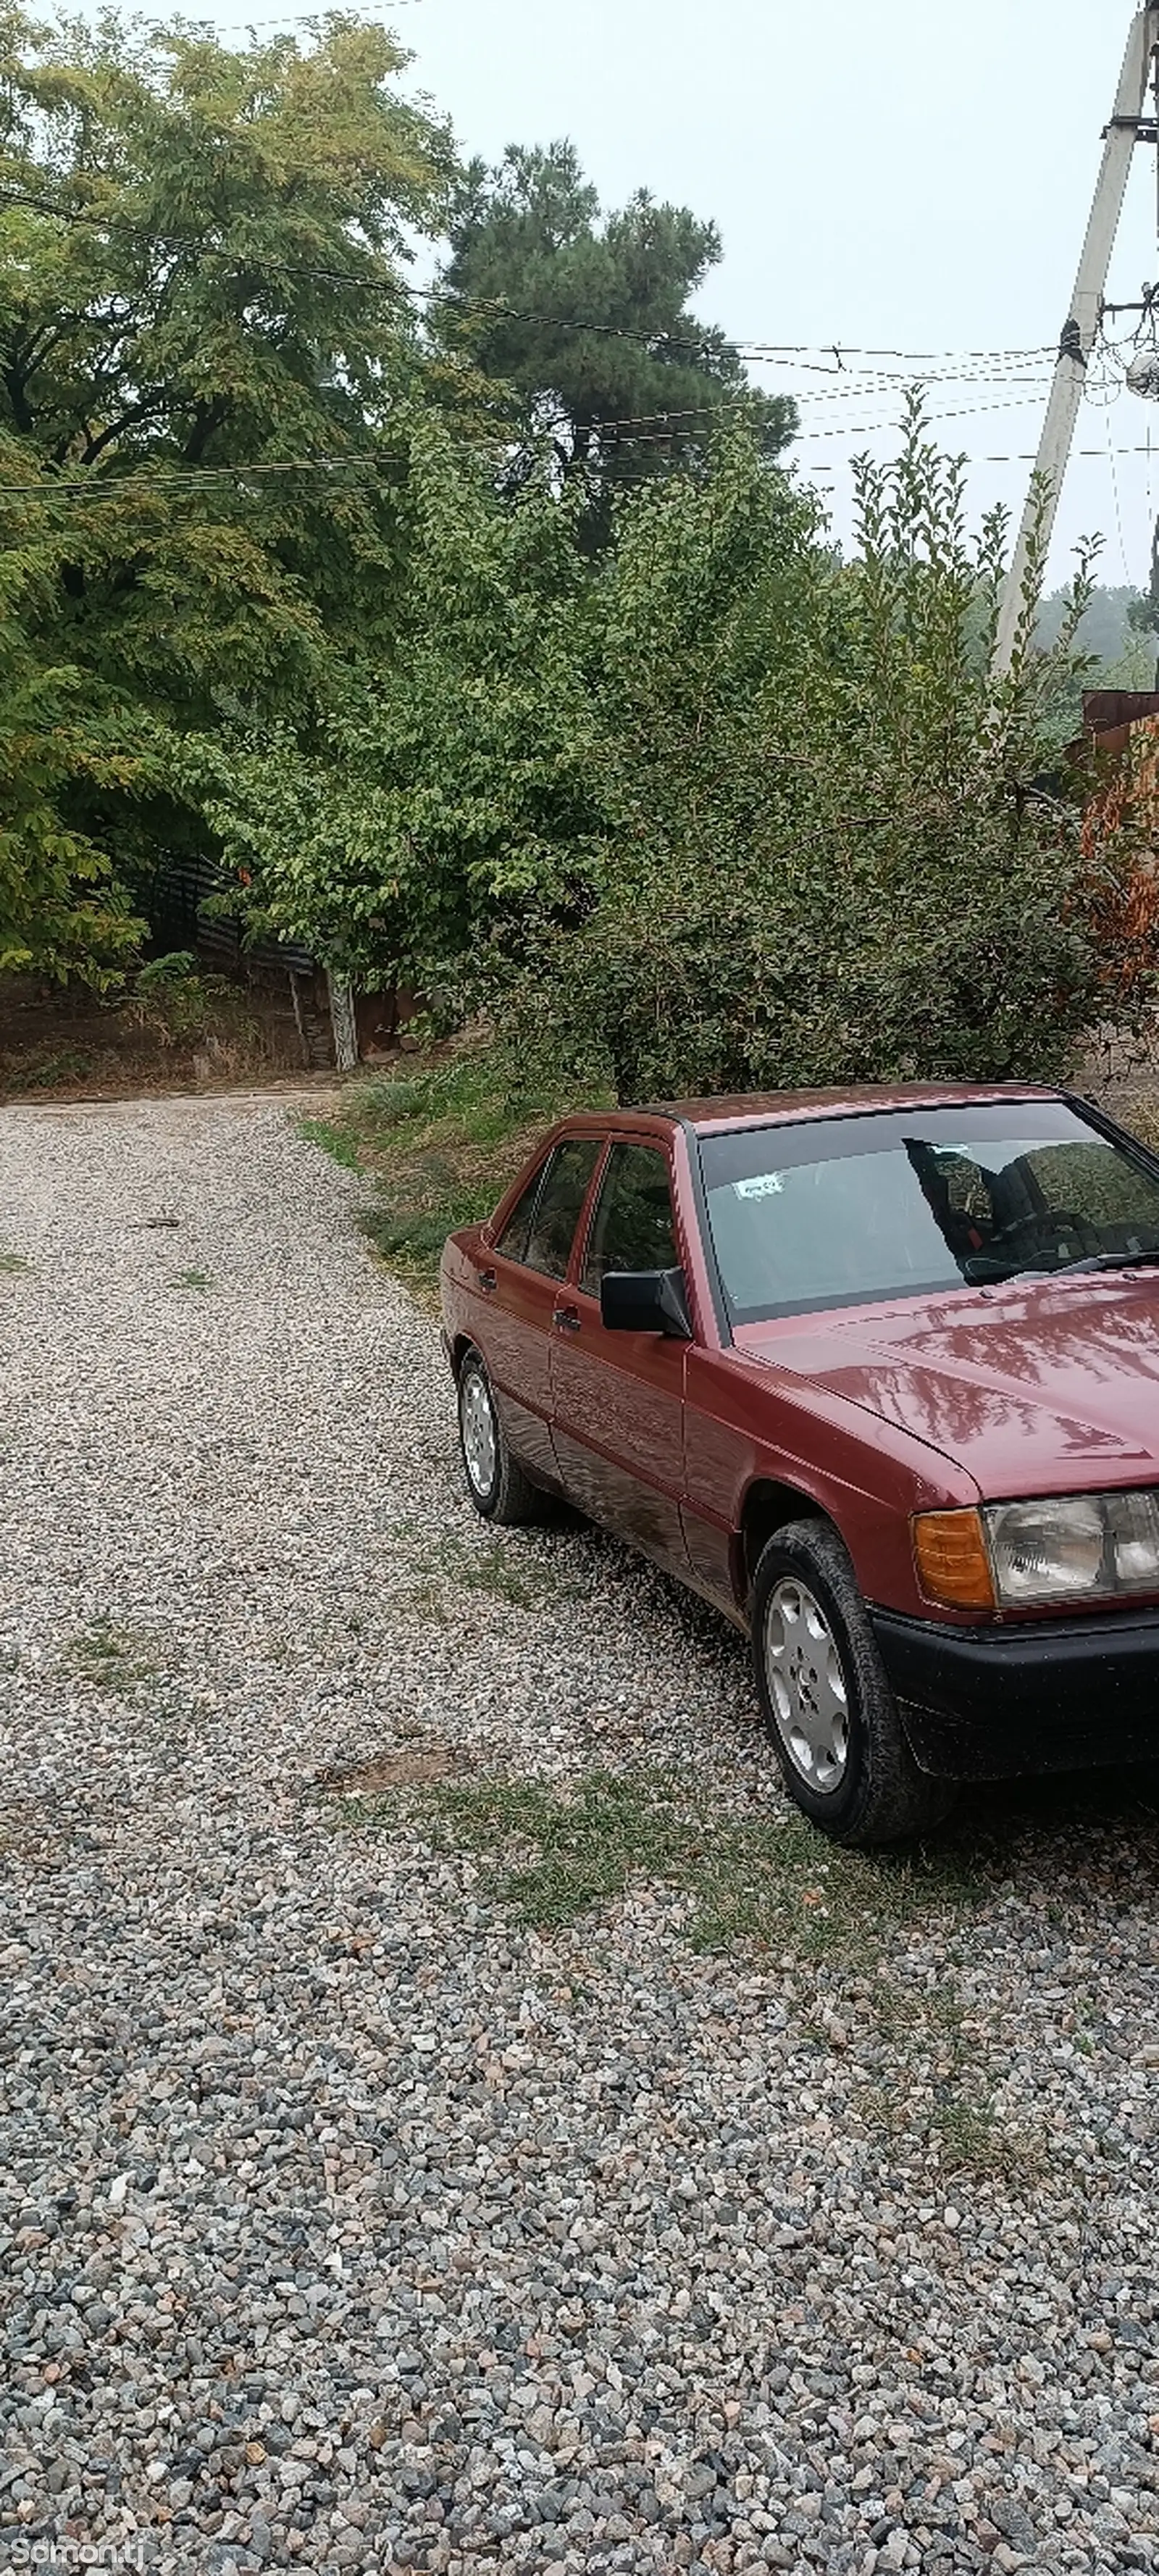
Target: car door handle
(566,1319)
(488,1281)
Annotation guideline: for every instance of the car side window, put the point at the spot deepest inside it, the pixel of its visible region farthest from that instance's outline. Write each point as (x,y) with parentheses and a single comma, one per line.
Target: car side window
(512,1243)
(559,1205)
(633,1226)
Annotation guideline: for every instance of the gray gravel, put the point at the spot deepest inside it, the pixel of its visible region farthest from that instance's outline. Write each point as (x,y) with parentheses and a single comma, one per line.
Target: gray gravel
(345,2223)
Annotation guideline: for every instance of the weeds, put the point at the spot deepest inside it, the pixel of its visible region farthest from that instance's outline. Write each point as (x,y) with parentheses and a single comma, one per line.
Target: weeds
(12,1264)
(198,1279)
(441,1141)
(552,1854)
(112,1658)
(455,1567)
(333,1140)
(44,1067)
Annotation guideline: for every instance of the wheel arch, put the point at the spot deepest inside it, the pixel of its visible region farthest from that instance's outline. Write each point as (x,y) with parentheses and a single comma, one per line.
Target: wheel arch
(768,1507)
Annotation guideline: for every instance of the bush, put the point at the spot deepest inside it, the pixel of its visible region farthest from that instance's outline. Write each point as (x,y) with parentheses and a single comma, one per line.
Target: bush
(833,862)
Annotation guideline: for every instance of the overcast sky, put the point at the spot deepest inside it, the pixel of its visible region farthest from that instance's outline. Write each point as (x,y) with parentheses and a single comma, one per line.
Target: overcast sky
(902,176)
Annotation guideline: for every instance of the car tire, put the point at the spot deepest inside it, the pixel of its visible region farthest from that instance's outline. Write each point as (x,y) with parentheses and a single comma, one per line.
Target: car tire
(495,1480)
(826,1700)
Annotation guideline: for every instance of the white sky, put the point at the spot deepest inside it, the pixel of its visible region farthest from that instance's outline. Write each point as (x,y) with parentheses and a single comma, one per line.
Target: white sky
(901,176)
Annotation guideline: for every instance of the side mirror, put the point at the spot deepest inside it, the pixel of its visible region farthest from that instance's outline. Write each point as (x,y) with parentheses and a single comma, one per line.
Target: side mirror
(645,1301)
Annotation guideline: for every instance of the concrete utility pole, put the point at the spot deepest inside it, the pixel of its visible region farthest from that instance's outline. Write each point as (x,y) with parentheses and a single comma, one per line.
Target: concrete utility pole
(1120,136)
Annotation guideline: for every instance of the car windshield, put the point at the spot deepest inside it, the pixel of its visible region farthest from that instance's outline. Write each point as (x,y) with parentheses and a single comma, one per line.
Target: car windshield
(845,1211)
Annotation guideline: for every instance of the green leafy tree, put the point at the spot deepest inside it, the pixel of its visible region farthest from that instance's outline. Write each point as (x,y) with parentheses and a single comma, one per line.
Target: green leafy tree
(450,785)
(207,361)
(716,811)
(585,318)
(833,857)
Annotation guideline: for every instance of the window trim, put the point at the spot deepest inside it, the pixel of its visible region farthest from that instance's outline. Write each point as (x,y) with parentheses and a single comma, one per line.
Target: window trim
(557,1278)
(495,1230)
(647,1145)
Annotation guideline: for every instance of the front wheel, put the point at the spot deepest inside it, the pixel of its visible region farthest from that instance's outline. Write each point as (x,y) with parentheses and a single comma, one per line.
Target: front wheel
(496,1483)
(826,1699)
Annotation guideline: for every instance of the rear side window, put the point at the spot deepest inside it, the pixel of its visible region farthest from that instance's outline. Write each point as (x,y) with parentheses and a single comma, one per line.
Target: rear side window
(512,1243)
(633,1227)
(560,1201)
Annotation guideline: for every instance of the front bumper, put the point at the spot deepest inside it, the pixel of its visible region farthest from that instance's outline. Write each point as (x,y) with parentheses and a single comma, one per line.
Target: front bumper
(999,1703)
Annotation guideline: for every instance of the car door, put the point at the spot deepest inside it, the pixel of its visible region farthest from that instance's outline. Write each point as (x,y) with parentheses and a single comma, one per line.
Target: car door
(618,1398)
(521,1286)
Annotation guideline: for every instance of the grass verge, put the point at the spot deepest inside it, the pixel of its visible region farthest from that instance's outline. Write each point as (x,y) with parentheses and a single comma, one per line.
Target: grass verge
(440,1139)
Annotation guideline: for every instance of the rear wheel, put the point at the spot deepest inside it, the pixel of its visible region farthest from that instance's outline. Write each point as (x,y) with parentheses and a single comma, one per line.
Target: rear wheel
(496,1483)
(826,1699)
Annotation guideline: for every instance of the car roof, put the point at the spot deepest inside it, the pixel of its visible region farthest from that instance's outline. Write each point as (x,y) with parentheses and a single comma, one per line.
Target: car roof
(776,1108)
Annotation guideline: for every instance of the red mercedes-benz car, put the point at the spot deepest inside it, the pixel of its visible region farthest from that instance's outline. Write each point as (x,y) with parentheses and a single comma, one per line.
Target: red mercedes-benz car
(877,1373)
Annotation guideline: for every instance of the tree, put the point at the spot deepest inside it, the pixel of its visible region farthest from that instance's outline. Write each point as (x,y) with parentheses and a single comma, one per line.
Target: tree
(585,319)
(450,785)
(828,856)
(207,362)
(717,810)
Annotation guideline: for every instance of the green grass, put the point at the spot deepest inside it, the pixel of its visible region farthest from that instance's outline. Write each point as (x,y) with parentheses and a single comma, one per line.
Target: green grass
(113,1658)
(554,1854)
(454,1567)
(191,1279)
(12,1264)
(441,1140)
(333,1140)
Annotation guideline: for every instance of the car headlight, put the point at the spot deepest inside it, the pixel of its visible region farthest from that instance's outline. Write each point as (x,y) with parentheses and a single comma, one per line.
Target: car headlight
(1080,1547)
(1046,1551)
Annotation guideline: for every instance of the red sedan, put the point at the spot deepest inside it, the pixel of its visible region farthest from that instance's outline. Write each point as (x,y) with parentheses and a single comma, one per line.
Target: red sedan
(878,1374)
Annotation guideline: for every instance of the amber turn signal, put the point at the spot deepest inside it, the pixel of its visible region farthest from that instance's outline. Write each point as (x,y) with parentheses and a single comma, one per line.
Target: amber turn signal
(951,1559)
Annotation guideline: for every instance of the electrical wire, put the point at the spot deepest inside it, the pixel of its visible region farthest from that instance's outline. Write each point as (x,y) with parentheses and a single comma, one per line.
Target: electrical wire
(774,352)
(93,488)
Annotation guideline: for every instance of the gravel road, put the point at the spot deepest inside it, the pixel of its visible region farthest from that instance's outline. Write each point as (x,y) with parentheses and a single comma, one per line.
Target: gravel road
(345,2222)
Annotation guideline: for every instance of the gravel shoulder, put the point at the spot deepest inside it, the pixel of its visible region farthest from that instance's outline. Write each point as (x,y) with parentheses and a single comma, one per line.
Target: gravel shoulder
(346,2219)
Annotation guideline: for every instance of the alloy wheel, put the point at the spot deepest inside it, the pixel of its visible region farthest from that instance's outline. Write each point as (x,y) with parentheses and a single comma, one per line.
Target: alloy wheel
(479,1433)
(807,1685)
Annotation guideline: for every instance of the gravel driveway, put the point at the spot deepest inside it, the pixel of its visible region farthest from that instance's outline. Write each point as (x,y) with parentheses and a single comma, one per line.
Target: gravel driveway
(345,2221)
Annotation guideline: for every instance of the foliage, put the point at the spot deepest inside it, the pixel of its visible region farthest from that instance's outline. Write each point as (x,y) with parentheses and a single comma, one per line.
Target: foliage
(201,279)
(835,857)
(61,911)
(441,1140)
(173,1000)
(448,780)
(717,811)
(1115,637)
(636,387)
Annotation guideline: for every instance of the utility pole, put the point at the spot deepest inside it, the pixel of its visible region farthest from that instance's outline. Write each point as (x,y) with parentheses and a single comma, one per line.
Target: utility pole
(1126,127)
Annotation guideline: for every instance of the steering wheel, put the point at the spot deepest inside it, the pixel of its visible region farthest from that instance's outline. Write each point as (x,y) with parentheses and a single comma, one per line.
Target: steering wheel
(1033,1234)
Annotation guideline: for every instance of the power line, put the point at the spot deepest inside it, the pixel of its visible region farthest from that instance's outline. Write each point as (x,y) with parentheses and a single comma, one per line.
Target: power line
(93,488)
(496,307)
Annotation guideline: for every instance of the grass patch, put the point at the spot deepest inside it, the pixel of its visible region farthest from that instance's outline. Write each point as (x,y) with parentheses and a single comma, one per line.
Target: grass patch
(490,1567)
(552,1852)
(441,1140)
(191,1279)
(111,1657)
(12,1264)
(333,1140)
(44,1067)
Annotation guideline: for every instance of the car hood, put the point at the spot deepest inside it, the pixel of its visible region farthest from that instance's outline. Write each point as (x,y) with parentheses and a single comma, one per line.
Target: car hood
(1033,1387)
